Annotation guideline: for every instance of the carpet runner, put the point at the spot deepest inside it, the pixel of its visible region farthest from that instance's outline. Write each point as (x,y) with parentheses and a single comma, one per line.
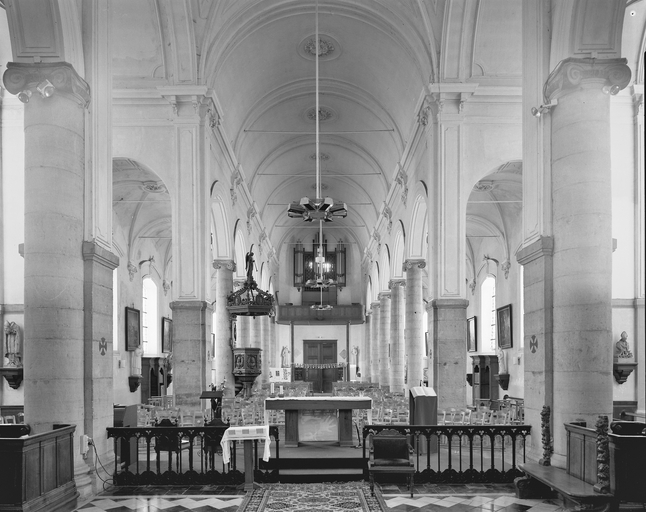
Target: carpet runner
(324,497)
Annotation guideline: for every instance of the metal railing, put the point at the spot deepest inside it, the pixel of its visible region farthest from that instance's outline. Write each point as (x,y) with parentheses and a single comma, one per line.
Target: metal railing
(179,456)
(462,453)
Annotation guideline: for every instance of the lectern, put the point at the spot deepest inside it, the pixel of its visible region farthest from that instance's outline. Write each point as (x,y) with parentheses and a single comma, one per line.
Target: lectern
(423,410)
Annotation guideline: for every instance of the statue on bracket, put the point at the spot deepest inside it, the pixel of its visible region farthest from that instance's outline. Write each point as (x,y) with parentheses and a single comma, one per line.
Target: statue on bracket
(12,344)
(622,348)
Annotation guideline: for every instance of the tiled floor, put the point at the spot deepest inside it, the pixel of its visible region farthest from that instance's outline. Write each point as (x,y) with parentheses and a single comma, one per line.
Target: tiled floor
(445,498)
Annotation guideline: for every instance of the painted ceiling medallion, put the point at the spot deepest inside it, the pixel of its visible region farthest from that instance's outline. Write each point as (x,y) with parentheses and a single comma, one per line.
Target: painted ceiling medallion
(322,157)
(154,187)
(326,47)
(325,114)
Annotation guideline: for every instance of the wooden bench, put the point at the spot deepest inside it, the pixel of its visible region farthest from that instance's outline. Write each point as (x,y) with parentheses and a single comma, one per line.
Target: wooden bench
(575,484)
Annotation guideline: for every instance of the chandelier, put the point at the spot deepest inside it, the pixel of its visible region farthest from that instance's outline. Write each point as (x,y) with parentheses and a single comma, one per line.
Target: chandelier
(319,282)
(320,208)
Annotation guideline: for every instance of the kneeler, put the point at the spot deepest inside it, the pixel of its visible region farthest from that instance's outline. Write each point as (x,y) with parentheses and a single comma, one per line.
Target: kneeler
(391,454)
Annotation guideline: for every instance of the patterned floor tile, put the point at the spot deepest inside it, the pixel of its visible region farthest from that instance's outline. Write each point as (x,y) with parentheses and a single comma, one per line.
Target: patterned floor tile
(185,503)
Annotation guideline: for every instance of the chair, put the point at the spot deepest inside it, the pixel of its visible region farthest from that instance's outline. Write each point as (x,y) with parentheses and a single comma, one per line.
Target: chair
(390,453)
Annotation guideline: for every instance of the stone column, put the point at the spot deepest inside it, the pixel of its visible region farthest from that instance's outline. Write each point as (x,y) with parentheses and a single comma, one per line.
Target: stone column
(450,331)
(582,264)
(191,337)
(272,359)
(223,355)
(55,357)
(397,346)
(264,345)
(364,356)
(374,343)
(54,223)
(384,340)
(414,328)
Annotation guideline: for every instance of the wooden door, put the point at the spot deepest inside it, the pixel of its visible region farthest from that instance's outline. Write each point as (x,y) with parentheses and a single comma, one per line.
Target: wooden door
(320,352)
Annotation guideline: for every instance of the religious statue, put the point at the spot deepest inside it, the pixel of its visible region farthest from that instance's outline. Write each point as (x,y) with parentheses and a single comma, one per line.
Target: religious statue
(249,261)
(622,349)
(284,355)
(502,362)
(355,355)
(135,361)
(12,344)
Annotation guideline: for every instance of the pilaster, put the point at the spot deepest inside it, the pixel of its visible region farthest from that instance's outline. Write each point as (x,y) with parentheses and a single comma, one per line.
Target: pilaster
(99,265)
(537,261)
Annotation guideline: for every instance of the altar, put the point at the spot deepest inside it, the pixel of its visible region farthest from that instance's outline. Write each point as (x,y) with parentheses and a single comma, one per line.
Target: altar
(320,418)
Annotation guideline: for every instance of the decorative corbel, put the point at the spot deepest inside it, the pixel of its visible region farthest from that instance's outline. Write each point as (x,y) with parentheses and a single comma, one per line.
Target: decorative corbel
(402,180)
(165,286)
(506,265)
(213,117)
(132,270)
(251,213)
(236,181)
(388,214)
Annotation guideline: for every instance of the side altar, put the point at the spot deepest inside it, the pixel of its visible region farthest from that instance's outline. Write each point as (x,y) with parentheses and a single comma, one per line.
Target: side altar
(325,418)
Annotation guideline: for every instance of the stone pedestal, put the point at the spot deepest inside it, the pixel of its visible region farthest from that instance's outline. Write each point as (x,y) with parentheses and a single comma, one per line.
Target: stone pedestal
(384,341)
(191,369)
(450,331)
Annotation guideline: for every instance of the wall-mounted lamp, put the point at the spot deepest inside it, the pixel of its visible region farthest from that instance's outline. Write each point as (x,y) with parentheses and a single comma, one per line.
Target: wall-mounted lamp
(45,88)
(611,89)
(24,96)
(544,109)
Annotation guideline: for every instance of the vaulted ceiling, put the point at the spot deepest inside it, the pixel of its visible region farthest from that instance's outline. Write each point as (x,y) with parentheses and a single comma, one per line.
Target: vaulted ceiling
(378,61)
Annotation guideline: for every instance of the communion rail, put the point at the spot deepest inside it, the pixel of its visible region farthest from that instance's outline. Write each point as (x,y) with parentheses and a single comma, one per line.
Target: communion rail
(179,456)
(462,453)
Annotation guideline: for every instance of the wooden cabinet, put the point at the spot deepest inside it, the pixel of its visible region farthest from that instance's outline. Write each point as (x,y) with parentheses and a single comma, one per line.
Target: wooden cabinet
(485,386)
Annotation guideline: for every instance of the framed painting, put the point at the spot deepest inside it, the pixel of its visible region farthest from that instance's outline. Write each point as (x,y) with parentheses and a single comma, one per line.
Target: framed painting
(472,334)
(503,323)
(133,328)
(167,335)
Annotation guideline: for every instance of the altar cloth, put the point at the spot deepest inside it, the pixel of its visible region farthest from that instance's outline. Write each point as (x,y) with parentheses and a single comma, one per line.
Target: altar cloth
(245,433)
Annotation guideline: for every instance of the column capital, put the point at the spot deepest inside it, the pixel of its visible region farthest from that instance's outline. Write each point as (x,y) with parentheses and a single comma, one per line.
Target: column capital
(544,246)
(450,303)
(408,264)
(26,79)
(227,264)
(94,252)
(570,73)
(191,304)
(375,305)
(396,283)
(383,295)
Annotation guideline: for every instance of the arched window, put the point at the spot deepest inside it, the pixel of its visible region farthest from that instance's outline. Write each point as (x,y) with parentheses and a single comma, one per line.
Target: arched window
(149,327)
(488,313)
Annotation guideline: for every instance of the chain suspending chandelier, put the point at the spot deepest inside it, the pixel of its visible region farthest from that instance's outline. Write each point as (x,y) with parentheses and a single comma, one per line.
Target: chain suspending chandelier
(320,208)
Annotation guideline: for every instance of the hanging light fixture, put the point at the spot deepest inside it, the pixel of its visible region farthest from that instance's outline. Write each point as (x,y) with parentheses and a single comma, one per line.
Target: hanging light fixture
(319,208)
